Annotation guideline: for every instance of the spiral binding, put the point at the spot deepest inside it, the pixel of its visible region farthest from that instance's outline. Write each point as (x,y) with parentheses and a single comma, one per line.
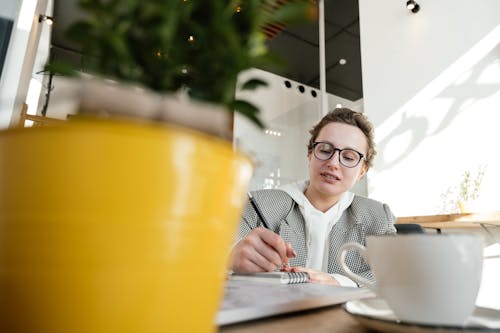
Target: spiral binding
(298,277)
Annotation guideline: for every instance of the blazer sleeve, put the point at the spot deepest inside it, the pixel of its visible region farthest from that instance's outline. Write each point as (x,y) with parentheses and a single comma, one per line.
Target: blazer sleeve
(274,205)
(249,221)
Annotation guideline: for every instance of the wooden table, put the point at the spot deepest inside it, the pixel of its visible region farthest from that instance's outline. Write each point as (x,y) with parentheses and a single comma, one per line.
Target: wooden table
(331,319)
(450,221)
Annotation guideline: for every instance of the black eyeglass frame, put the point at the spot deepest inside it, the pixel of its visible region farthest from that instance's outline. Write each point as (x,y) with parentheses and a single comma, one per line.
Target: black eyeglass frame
(361,156)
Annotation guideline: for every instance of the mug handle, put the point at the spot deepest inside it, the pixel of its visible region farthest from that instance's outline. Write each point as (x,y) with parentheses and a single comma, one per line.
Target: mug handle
(341,258)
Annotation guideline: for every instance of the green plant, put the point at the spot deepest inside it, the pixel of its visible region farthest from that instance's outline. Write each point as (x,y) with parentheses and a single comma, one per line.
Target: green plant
(469,186)
(169,45)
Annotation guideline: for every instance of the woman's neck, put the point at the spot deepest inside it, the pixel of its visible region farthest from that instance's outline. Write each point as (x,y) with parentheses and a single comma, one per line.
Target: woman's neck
(319,201)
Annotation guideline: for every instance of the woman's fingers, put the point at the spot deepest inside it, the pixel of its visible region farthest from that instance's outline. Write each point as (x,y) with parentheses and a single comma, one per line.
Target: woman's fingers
(260,250)
(275,242)
(290,252)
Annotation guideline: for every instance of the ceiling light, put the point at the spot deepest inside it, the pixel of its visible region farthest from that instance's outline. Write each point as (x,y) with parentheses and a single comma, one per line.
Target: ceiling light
(412,6)
(48,19)
(273,132)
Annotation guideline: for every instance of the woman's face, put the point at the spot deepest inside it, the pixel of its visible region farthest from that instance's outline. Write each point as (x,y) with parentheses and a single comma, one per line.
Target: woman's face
(330,179)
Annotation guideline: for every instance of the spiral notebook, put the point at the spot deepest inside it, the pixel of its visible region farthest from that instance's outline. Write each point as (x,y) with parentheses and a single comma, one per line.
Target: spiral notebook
(273,277)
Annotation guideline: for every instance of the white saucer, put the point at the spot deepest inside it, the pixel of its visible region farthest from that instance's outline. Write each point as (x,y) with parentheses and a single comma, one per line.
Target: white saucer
(374,313)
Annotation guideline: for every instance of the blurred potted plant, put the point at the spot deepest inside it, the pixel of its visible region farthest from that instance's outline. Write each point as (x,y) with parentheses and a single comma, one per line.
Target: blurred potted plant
(189,47)
(469,190)
(133,218)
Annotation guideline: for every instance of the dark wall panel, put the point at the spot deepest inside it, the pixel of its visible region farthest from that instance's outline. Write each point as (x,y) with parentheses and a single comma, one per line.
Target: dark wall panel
(5,32)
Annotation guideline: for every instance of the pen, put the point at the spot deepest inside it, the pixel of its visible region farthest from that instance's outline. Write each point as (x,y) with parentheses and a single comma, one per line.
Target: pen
(257,210)
(286,264)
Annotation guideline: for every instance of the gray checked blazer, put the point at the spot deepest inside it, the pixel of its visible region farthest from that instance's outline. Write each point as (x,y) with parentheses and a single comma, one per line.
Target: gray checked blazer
(364,217)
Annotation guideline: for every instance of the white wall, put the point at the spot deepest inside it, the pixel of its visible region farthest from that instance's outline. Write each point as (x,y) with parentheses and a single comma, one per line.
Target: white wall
(20,57)
(431,83)
(9,9)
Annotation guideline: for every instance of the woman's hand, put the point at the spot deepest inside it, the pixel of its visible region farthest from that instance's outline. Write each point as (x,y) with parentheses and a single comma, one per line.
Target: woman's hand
(261,250)
(316,276)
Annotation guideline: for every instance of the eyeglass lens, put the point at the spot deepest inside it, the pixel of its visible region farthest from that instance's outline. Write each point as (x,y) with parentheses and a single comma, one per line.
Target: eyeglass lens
(347,157)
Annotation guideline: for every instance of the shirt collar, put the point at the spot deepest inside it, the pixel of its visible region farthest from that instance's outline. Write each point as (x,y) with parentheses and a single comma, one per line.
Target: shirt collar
(296,192)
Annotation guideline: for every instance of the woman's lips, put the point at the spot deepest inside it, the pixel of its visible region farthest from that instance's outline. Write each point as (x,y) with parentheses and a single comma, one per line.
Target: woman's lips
(329,177)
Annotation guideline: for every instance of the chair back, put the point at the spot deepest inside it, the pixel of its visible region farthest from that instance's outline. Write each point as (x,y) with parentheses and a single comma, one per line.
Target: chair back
(409,228)
(36,119)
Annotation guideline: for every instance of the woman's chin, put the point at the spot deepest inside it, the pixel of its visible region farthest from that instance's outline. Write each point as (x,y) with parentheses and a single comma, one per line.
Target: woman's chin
(329,189)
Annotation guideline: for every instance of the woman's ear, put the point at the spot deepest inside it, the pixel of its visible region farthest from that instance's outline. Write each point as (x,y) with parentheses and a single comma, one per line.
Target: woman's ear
(363,172)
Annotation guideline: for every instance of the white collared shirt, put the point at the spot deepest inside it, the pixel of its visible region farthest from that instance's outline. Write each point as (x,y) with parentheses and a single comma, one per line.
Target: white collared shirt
(318,227)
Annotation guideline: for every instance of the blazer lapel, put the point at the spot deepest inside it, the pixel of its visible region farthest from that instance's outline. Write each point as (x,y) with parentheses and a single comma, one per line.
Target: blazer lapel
(292,230)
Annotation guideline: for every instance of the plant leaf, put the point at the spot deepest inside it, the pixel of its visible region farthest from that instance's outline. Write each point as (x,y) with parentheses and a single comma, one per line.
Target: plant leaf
(248,110)
(253,84)
(61,68)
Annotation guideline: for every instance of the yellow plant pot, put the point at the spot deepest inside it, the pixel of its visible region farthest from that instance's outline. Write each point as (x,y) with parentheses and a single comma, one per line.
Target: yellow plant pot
(112,226)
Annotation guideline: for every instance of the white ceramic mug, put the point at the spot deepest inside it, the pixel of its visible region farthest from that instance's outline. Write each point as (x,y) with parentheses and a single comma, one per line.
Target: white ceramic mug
(430,279)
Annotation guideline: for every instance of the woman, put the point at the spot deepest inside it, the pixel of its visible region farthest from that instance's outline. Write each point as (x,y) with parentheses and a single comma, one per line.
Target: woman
(308,222)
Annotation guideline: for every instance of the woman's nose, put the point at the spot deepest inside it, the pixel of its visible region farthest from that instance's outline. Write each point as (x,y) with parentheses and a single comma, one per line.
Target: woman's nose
(335,159)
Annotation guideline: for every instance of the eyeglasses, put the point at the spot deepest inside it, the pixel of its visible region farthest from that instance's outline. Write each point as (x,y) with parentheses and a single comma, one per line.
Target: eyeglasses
(349,158)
